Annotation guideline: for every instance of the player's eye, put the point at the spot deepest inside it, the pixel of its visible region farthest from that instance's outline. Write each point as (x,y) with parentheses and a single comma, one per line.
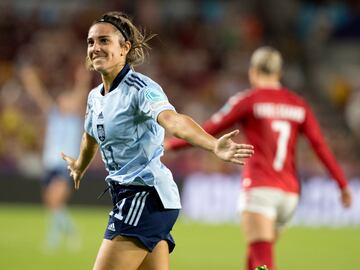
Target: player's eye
(90,42)
(104,40)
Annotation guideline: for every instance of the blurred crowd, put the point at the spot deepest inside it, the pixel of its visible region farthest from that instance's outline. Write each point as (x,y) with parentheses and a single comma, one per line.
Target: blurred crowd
(200,57)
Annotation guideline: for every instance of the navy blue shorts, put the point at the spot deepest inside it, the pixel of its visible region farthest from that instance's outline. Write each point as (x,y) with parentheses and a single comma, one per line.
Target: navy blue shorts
(139,213)
(51,175)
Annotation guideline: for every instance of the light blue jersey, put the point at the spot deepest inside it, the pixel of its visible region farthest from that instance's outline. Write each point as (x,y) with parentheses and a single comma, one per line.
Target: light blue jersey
(63,134)
(124,123)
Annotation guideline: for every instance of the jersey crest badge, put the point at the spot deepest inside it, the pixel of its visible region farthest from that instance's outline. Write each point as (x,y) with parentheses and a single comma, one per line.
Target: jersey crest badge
(101,132)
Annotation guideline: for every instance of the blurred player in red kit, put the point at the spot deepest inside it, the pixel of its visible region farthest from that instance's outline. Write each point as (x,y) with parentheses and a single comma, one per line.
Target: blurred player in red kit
(272,118)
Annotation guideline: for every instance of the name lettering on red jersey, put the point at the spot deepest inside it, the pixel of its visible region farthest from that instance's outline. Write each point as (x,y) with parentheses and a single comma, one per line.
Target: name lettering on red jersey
(279,111)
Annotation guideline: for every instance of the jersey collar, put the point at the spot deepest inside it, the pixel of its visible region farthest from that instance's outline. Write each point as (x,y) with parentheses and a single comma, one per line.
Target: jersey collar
(117,79)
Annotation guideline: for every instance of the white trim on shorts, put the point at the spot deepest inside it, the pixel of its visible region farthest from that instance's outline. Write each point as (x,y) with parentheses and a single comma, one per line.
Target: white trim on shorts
(273,203)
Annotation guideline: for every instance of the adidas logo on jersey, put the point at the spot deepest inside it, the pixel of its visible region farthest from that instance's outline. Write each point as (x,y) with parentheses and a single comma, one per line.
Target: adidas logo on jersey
(111,227)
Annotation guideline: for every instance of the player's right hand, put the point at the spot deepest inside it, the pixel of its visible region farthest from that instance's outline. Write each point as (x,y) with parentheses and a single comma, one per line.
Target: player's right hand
(233,152)
(74,172)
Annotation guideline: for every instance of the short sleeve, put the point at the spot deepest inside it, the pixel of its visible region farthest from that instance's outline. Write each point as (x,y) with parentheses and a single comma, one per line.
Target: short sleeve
(153,101)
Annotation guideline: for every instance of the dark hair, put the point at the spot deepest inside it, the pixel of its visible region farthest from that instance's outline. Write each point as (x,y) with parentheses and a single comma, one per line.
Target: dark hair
(137,37)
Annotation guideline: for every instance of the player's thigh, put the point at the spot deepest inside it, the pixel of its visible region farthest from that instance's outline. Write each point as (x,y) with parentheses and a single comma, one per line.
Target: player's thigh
(121,253)
(258,208)
(286,210)
(257,227)
(57,192)
(158,259)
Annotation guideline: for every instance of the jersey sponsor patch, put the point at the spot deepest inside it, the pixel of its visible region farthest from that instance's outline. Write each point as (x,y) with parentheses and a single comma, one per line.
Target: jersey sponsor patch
(154,95)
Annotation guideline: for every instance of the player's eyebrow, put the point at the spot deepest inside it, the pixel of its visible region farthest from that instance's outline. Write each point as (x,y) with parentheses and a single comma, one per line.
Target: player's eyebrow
(99,37)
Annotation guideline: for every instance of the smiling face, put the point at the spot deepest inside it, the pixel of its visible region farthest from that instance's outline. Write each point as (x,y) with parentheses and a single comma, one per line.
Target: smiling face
(107,48)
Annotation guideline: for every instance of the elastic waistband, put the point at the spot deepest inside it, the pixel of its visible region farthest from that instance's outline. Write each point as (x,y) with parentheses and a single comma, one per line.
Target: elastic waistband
(113,185)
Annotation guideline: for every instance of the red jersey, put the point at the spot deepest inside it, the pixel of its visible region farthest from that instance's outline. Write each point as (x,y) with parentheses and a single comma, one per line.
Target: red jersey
(272,120)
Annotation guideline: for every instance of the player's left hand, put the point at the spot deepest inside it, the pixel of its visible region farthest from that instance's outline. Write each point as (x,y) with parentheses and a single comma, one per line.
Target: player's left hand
(230,151)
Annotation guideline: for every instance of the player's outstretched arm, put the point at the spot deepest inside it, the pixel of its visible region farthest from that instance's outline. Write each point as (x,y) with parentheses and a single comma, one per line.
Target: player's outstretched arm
(184,127)
(77,167)
(35,88)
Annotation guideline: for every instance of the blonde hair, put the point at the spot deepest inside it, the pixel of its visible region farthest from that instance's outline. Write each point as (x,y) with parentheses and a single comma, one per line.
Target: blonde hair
(267,60)
(137,37)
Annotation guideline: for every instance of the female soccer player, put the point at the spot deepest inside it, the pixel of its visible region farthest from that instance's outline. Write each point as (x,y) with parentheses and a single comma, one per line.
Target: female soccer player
(63,132)
(126,118)
(272,117)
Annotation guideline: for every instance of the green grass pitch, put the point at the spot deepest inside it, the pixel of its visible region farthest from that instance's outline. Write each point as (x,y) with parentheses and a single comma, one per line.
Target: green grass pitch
(199,246)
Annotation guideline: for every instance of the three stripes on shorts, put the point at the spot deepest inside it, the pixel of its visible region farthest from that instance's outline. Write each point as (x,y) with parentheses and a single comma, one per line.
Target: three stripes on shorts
(136,208)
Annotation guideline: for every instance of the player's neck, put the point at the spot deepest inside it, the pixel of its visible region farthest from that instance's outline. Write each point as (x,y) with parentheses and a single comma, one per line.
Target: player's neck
(267,83)
(107,84)
(109,77)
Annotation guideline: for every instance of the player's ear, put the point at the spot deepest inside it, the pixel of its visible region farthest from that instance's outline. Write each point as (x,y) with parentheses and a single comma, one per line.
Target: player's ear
(125,47)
